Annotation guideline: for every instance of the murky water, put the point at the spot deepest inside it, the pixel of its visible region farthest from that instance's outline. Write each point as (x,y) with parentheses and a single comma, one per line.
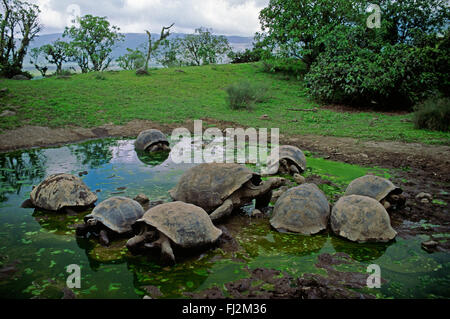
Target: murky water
(37,247)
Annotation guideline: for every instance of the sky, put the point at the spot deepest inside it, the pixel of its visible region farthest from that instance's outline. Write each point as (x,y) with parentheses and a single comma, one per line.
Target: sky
(226,17)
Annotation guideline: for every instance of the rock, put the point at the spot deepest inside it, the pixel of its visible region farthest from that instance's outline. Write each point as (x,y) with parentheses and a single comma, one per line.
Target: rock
(83,173)
(7,113)
(153,292)
(257,213)
(424,197)
(264,117)
(20,77)
(4,91)
(142,72)
(299,179)
(142,199)
(68,294)
(430,246)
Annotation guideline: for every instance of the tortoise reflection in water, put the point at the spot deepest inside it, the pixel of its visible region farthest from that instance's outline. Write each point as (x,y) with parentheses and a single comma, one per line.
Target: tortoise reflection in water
(152,141)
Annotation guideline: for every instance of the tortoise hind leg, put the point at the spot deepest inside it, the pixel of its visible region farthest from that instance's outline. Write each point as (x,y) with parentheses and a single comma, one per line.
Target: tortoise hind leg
(103,238)
(167,255)
(224,210)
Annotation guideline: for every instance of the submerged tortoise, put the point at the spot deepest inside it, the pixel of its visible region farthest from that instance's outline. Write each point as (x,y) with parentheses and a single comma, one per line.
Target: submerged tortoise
(173,224)
(361,219)
(291,161)
(152,141)
(378,188)
(60,192)
(303,209)
(220,188)
(111,217)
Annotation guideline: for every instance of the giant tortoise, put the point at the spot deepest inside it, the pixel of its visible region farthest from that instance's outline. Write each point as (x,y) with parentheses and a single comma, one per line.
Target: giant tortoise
(286,159)
(361,219)
(60,192)
(379,188)
(303,209)
(152,141)
(111,217)
(173,224)
(220,188)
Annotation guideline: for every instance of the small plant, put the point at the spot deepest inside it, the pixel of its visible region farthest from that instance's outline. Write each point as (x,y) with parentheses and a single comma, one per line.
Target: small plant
(433,114)
(100,76)
(244,95)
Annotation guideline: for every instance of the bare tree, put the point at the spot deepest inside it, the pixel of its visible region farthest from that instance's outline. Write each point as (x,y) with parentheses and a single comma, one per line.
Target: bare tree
(165,32)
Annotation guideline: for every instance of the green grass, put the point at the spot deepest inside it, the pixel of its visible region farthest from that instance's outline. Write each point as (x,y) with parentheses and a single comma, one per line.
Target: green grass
(168,96)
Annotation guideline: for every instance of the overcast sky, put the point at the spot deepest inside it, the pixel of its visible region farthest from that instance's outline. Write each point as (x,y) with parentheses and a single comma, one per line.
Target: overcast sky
(227,17)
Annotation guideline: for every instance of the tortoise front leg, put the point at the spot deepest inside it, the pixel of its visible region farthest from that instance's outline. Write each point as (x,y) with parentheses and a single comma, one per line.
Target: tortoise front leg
(153,148)
(293,170)
(103,238)
(165,148)
(224,210)
(134,242)
(163,243)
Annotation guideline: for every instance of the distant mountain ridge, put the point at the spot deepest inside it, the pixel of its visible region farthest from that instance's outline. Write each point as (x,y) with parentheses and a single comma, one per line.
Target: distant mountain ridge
(134,40)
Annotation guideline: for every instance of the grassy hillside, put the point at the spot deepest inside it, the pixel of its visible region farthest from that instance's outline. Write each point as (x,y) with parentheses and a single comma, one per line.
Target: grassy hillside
(174,95)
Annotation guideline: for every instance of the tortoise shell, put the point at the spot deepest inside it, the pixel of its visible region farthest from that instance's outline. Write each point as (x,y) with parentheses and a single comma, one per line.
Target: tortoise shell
(209,185)
(62,190)
(117,213)
(372,186)
(148,138)
(186,225)
(289,152)
(361,219)
(303,209)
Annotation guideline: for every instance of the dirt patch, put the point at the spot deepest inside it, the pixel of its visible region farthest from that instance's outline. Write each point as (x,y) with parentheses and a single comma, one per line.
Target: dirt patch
(356,109)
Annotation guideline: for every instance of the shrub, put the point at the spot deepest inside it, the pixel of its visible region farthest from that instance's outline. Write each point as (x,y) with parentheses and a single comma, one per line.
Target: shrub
(396,77)
(289,66)
(244,95)
(433,114)
(246,56)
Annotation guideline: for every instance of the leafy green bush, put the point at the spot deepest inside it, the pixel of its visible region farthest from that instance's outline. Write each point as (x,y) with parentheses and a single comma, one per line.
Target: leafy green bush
(289,66)
(244,95)
(433,114)
(246,56)
(352,72)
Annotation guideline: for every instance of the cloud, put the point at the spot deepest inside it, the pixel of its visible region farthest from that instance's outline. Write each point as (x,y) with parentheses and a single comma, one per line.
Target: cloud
(228,17)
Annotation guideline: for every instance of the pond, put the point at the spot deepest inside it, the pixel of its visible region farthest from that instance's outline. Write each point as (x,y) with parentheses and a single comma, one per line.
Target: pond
(37,247)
